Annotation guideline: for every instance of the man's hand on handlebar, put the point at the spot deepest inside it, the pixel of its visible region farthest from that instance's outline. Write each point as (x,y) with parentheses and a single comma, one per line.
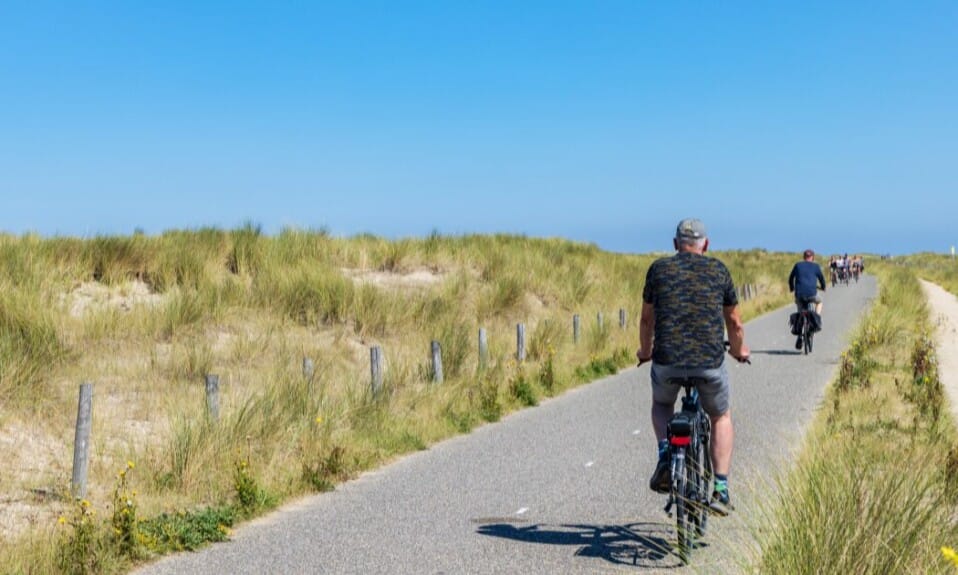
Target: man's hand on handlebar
(642,357)
(743,354)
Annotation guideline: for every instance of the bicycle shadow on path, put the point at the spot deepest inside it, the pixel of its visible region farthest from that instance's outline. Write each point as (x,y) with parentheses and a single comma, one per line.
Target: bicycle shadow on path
(644,545)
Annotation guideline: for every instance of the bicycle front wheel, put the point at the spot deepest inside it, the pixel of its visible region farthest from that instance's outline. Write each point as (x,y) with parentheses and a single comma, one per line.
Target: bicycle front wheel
(699,479)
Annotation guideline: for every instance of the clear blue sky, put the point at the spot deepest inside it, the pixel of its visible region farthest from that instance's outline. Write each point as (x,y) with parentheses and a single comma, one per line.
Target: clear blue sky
(782,125)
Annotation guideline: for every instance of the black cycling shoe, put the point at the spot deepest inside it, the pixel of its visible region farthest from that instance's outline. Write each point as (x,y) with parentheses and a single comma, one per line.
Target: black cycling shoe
(798,343)
(662,476)
(721,504)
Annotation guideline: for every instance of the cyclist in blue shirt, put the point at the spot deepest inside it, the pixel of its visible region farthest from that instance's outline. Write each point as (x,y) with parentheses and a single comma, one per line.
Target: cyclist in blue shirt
(806,276)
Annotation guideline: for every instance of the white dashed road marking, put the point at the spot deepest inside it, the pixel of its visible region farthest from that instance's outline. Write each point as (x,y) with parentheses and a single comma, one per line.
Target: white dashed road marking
(521,511)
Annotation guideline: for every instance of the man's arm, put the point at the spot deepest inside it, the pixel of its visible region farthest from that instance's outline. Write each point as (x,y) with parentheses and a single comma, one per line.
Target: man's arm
(646,329)
(821,279)
(791,278)
(736,332)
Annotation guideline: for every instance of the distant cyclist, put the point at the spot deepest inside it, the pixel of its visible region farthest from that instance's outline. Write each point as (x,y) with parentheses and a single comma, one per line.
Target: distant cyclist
(688,302)
(805,277)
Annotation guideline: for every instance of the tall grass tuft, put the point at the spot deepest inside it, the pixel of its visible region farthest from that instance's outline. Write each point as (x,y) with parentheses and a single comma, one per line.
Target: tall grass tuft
(849,511)
(30,347)
(308,295)
(455,339)
(246,254)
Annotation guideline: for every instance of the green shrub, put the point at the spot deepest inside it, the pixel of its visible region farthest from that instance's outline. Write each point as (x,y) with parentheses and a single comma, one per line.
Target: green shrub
(187,530)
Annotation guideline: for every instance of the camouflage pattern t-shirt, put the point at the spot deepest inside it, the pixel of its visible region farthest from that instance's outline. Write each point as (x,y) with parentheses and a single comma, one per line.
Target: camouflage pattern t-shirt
(689,291)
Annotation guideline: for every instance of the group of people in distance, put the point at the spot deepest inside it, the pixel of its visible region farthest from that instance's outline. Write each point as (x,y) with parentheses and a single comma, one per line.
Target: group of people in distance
(843,267)
(689,304)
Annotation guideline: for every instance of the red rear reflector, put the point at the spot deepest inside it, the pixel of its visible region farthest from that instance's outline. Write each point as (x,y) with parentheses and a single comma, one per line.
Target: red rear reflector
(680,441)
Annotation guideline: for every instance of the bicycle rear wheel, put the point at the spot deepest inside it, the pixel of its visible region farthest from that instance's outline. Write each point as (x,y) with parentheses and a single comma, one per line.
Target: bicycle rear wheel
(807,336)
(680,489)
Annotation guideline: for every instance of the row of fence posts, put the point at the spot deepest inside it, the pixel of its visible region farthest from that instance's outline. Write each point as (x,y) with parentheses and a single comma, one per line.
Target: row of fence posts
(746,292)
(84,422)
(376,354)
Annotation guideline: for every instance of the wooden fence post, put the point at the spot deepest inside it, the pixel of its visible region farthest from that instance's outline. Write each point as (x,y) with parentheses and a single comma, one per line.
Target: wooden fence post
(483,349)
(436,362)
(622,321)
(81,441)
(308,368)
(520,342)
(575,328)
(598,319)
(376,369)
(213,396)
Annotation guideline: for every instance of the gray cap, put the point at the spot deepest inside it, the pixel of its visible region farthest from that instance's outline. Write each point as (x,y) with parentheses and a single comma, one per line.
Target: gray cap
(690,229)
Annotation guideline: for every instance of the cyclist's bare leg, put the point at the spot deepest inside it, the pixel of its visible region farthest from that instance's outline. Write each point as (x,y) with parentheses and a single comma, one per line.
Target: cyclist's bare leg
(818,308)
(723,437)
(661,414)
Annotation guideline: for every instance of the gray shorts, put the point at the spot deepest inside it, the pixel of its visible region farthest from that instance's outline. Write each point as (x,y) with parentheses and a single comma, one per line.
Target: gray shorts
(713,395)
(802,302)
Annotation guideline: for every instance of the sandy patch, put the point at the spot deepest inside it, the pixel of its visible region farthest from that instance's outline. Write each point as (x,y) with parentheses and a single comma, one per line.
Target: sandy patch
(27,483)
(421,278)
(944,313)
(96,296)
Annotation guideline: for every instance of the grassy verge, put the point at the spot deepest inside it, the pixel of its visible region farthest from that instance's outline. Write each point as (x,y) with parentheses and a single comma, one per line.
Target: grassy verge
(941,269)
(875,488)
(159,313)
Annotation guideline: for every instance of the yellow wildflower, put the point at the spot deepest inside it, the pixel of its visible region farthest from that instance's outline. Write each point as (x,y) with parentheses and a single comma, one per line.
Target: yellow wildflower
(129,465)
(61,520)
(319,420)
(950,555)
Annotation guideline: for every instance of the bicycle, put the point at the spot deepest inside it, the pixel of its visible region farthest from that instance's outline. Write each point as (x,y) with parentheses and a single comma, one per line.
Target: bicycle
(806,325)
(689,436)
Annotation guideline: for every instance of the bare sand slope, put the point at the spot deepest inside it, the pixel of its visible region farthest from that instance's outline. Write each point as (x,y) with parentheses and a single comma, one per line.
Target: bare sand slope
(944,313)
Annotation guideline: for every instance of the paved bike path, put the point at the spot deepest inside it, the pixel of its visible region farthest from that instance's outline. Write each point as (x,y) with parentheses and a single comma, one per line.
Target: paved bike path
(561,488)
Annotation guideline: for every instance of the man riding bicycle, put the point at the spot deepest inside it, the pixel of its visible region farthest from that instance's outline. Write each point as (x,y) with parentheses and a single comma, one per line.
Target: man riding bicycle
(803,279)
(688,302)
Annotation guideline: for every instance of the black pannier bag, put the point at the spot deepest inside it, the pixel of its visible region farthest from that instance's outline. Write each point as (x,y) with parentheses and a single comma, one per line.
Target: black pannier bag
(816,321)
(795,321)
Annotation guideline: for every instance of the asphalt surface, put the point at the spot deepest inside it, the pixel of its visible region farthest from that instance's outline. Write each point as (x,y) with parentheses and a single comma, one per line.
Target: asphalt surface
(561,488)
